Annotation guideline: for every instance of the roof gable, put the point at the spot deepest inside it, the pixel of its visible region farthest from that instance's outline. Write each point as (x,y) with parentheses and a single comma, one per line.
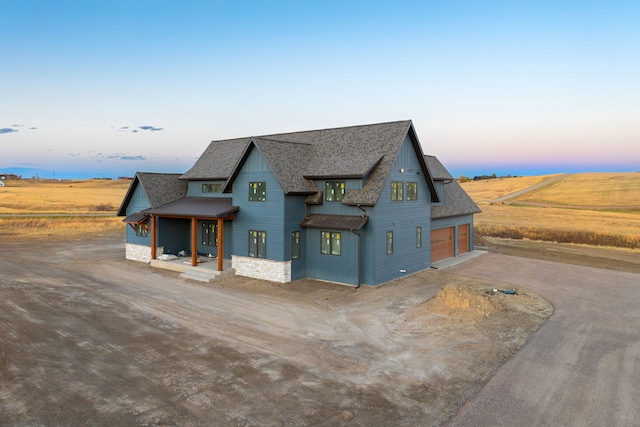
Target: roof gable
(160,188)
(298,157)
(218,161)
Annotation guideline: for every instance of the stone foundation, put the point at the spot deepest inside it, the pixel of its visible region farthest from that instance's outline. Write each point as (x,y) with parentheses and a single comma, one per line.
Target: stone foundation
(140,253)
(258,268)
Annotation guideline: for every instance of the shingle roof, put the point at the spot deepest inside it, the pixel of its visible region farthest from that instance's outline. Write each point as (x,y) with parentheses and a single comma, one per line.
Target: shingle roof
(218,161)
(200,207)
(456,200)
(437,169)
(291,155)
(160,188)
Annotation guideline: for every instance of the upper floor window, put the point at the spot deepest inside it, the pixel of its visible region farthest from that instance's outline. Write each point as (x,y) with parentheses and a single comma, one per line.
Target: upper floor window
(212,188)
(397,191)
(334,191)
(412,191)
(330,243)
(258,191)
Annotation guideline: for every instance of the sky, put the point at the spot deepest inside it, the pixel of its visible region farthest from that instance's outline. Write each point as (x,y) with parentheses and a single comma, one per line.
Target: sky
(526,87)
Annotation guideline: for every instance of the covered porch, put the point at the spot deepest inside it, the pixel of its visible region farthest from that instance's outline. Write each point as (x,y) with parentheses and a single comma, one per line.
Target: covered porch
(193,209)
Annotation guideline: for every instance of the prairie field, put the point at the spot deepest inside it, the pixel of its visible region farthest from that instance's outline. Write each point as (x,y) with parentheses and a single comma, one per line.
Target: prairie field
(601,209)
(40,209)
(41,196)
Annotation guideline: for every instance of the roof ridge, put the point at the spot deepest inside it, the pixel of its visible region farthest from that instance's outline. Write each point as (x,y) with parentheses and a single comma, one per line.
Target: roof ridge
(336,128)
(278,140)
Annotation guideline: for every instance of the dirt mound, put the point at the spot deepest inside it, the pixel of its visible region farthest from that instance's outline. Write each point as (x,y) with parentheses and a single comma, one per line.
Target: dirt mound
(464,301)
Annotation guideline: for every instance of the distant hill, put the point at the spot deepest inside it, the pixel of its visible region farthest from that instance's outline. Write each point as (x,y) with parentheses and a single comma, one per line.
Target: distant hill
(28,173)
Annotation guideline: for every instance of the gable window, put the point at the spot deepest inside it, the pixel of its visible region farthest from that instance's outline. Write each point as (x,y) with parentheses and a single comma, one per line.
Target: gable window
(295,245)
(210,234)
(397,191)
(412,191)
(212,188)
(142,229)
(257,244)
(418,237)
(258,191)
(334,191)
(389,242)
(330,243)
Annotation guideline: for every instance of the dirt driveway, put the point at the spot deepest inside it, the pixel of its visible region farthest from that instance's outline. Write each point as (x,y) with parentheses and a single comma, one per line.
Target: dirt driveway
(89,338)
(582,367)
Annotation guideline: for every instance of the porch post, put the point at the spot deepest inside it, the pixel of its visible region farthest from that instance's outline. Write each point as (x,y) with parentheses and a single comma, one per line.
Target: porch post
(220,244)
(154,243)
(194,241)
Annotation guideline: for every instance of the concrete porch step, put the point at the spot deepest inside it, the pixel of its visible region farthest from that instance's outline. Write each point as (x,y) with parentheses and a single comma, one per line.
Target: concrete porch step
(206,275)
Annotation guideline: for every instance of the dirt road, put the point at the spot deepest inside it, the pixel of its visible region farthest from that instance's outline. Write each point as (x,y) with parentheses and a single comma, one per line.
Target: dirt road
(89,338)
(582,367)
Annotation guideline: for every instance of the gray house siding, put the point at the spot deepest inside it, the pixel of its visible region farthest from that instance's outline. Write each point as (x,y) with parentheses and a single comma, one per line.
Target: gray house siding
(402,218)
(139,202)
(455,221)
(261,216)
(293,215)
(174,234)
(341,268)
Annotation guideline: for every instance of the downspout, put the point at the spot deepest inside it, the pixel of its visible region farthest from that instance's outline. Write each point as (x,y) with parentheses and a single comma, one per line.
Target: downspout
(359,256)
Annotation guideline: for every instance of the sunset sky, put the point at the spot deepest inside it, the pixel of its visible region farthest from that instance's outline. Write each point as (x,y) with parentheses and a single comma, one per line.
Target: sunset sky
(108,88)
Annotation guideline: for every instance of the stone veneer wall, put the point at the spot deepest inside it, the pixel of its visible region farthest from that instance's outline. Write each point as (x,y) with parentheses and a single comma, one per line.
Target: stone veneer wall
(258,268)
(140,253)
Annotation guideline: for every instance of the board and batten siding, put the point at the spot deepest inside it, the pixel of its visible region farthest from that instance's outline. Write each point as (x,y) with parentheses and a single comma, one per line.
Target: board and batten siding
(139,202)
(174,234)
(402,218)
(262,216)
(343,268)
(293,216)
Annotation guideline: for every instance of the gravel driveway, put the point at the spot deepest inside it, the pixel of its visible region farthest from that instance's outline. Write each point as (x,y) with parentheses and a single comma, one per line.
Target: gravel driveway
(582,367)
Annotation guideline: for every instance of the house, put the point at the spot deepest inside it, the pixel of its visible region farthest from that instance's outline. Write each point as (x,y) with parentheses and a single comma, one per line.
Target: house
(353,205)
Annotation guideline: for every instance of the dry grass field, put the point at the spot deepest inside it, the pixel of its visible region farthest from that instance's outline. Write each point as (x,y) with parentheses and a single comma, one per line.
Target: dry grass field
(589,208)
(40,209)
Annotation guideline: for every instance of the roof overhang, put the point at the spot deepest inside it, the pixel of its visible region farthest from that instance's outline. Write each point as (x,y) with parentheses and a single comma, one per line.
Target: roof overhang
(196,207)
(136,218)
(335,222)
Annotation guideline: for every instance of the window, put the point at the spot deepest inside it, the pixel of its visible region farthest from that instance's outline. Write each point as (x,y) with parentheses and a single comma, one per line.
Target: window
(142,229)
(418,237)
(295,245)
(257,244)
(258,191)
(330,243)
(397,191)
(389,242)
(210,234)
(412,191)
(334,191)
(212,188)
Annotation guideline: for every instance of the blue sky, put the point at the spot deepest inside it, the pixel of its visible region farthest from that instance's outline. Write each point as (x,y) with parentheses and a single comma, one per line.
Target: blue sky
(107,88)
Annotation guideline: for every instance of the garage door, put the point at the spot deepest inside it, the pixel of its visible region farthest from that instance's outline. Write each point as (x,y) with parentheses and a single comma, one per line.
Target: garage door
(441,244)
(463,239)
